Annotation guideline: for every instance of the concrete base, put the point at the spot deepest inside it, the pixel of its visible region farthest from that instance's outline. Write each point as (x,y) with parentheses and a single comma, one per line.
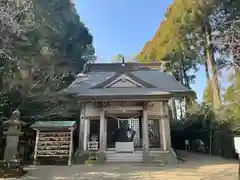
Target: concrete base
(164,157)
(147,157)
(159,157)
(101,158)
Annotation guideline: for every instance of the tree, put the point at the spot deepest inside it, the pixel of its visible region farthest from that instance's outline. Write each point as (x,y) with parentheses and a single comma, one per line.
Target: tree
(46,58)
(188,28)
(118,58)
(16,22)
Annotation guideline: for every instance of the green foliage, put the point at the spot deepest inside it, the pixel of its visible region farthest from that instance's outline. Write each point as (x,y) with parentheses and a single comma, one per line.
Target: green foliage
(185,36)
(200,116)
(190,34)
(48,48)
(118,58)
(174,44)
(203,123)
(231,109)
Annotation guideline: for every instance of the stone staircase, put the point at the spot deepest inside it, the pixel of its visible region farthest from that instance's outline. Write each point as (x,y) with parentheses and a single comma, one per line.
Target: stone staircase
(113,157)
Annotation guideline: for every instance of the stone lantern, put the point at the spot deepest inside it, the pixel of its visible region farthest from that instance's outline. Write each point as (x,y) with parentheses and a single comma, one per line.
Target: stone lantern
(12,135)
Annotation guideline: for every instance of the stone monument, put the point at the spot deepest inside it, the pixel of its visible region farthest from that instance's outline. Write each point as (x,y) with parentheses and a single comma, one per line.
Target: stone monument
(12,135)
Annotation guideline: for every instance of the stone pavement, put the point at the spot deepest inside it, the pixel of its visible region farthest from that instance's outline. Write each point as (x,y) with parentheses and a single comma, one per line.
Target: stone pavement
(197,167)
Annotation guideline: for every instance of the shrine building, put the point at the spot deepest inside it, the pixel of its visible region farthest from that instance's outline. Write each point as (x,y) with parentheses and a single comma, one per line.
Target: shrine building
(125,108)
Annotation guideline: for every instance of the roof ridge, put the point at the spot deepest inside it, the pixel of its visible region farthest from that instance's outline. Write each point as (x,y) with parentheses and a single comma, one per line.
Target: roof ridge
(119,67)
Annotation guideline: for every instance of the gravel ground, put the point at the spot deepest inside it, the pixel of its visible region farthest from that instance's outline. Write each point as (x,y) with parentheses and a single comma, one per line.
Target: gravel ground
(197,167)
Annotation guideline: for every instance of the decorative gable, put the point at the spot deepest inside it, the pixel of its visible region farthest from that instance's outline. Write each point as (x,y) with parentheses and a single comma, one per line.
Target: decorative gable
(123,81)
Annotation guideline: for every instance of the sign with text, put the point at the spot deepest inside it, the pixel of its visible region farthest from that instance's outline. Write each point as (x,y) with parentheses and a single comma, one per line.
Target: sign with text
(237,144)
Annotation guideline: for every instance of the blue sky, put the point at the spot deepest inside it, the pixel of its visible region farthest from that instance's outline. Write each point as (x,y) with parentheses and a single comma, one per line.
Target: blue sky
(124,26)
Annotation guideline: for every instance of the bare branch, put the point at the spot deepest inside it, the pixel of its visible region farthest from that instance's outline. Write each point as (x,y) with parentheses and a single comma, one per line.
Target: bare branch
(230,38)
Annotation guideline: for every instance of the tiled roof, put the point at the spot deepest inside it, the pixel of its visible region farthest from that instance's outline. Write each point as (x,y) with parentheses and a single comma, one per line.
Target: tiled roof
(164,84)
(53,124)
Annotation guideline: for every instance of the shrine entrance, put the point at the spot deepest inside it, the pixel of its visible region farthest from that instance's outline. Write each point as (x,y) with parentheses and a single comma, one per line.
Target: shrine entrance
(130,132)
(127,129)
(123,130)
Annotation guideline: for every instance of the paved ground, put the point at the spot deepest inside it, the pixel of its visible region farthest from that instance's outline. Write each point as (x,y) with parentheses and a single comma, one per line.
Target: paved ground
(197,167)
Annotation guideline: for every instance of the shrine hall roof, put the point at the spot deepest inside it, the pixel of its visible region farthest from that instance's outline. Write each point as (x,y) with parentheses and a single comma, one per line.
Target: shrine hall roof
(90,84)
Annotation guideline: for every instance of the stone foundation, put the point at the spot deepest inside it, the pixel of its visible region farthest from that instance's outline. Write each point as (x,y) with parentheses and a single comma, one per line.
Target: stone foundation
(152,157)
(164,157)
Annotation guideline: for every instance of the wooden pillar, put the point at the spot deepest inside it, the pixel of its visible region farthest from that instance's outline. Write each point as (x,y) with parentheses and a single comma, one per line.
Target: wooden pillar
(165,127)
(81,129)
(145,130)
(102,131)
(145,139)
(163,134)
(105,134)
(160,131)
(102,139)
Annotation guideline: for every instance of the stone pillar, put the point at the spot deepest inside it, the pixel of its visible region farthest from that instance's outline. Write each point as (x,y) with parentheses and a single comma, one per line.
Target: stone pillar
(81,134)
(145,139)
(105,135)
(160,132)
(163,134)
(11,150)
(165,127)
(102,141)
(86,134)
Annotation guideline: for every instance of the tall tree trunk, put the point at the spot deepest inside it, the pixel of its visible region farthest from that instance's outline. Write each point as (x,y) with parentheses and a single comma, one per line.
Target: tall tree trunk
(208,97)
(207,72)
(211,64)
(187,84)
(174,110)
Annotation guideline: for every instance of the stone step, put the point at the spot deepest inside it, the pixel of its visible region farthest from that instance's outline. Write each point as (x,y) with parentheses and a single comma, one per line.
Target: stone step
(135,152)
(112,156)
(124,155)
(124,160)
